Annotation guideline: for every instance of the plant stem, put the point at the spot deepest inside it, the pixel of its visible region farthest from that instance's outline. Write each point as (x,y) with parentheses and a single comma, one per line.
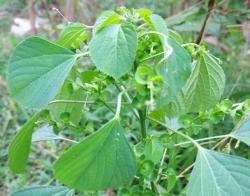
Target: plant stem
(135,112)
(71,101)
(161,164)
(150,57)
(142,115)
(185,171)
(191,44)
(118,106)
(82,54)
(177,132)
(83,102)
(69,140)
(153,187)
(106,105)
(203,139)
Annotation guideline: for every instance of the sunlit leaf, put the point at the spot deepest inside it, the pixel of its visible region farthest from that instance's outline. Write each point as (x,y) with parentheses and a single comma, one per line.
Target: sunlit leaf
(37,70)
(113,49)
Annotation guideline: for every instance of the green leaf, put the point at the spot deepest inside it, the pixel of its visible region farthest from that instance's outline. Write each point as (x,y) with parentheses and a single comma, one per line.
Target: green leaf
(176,106)
(44,191)
(103,160)
(19,148)
(205,85)
(107,18)
(69,34)
(143,13)
(159,24)
(176,69)
(37,70)
(243,132)
(153,150)
(75,110)
(217,173)
(143,74)
(113,49)
(89,76)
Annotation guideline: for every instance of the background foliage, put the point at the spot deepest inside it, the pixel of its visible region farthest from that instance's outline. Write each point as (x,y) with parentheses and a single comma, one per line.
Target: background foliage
(227,36)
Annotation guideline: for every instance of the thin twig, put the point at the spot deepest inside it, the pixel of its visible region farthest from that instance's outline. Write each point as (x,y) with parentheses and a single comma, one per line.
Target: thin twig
(211,5)
(196,144)
(185,171)
(58,11)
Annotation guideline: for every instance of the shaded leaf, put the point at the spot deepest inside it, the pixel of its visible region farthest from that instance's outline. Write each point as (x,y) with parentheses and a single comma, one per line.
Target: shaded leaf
(159,24)
(153,150)
(177,67)
(176,70)
(19,148)
(218,173)
(205,85)
(75,110)
(113,49)
(103,160)
(37,70)
(176,106)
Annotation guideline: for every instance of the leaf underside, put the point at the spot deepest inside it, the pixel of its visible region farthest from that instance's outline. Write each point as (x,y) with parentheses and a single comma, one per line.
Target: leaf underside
(219,174)
(205,85)
(243,132)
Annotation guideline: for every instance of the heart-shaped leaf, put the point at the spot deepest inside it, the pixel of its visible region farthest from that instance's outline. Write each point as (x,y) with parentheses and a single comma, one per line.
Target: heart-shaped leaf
(113,49)
(103,160)
(37,70)
(206,84)
(218,173)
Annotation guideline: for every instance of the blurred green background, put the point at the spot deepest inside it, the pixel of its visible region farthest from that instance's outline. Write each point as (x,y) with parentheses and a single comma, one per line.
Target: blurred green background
(227,35)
